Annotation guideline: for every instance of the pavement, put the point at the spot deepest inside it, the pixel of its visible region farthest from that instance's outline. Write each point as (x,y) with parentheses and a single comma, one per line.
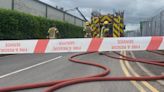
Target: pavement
(34,68)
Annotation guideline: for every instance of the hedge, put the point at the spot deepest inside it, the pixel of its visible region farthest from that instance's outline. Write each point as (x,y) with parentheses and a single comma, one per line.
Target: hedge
(15,25)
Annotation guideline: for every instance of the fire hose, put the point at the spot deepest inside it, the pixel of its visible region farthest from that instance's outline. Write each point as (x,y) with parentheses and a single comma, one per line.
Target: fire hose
(160,53)
(55,85)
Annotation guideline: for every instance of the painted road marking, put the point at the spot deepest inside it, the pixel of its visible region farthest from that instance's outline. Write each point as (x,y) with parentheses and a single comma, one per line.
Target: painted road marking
(30,67)
(125,70)
(149,86)
(161,82)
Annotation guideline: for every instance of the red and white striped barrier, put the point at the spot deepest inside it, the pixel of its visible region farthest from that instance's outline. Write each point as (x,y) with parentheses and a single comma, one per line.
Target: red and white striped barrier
(81,45)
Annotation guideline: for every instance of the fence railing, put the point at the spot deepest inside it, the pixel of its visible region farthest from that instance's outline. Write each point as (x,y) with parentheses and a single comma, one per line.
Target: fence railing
(153,26)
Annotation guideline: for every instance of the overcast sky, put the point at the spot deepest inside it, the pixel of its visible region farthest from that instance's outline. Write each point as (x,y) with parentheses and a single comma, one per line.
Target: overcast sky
(135,10)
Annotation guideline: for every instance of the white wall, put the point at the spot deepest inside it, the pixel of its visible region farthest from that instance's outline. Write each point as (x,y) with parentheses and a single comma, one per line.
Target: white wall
(69,19)
(31,7)
(7,4)
(54,14)
(79,22)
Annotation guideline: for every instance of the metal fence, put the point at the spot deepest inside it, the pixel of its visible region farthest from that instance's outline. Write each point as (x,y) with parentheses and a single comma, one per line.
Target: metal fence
(38,8)
(153,26)
(132,33)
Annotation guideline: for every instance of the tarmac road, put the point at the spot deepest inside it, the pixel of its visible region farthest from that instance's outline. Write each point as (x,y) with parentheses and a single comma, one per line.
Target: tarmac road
(23,69)
(151,56)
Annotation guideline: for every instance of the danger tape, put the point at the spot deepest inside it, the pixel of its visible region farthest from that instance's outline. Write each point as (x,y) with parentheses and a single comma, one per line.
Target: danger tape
(81,45)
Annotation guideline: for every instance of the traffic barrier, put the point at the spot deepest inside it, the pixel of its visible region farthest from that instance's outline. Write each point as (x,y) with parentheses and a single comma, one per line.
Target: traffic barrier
(81,45)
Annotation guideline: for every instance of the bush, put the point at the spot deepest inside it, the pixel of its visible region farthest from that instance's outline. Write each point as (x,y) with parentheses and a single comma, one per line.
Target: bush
(15,25)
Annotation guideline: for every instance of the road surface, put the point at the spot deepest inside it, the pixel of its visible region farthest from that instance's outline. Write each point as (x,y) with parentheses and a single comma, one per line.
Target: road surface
(34,68)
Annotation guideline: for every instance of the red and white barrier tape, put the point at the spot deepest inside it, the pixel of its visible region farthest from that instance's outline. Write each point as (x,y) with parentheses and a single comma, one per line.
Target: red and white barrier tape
(81,45)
